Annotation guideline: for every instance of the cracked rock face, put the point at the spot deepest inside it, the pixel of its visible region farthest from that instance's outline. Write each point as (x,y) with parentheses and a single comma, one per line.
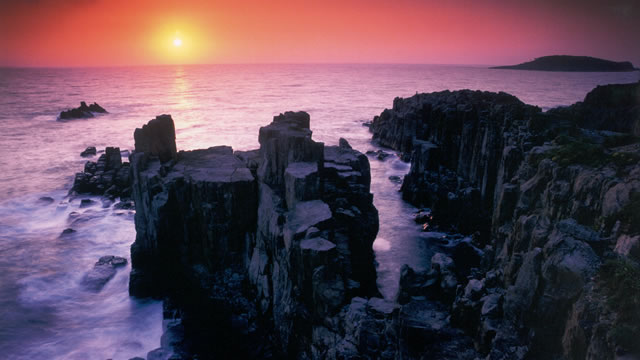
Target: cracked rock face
(546,197)
(294,218)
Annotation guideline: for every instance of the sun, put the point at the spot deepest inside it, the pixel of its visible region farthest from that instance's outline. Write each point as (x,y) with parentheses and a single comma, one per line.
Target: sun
(177,42)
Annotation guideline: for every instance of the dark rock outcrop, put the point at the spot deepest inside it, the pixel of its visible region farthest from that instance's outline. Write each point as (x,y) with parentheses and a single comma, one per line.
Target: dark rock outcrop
(108,176)
(89,151)
(82,112)
(548,197)
(278,241)
(157,138)
(608,107)
(571,63)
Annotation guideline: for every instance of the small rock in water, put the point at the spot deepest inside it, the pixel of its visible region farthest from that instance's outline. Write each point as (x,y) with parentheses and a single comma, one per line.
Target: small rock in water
(90,151)
(380,155)
(115,261)
(86,203)
(45,200)
(66,232)
(103,271)
(82,112)
(124,205)
(395,179)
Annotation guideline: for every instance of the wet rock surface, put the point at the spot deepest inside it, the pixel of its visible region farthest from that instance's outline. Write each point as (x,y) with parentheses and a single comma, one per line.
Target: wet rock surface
(545,200)
(103,271)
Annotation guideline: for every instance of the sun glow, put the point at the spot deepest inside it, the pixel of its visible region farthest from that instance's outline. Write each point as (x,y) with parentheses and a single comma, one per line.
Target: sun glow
(181,41)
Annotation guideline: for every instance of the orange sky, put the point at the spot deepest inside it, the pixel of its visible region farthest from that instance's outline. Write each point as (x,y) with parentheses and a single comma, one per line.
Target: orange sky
(136,32)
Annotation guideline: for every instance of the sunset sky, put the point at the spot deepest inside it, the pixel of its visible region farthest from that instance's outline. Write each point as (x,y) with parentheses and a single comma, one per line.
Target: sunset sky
(139,32)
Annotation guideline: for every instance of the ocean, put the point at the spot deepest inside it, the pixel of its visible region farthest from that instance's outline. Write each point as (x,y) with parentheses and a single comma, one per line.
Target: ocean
(44,311)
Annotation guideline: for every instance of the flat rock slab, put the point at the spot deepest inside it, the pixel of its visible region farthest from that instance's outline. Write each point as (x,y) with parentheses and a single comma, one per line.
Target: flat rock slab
(301,170)
(340,155)
(306,214)
(215,164)
(317,244)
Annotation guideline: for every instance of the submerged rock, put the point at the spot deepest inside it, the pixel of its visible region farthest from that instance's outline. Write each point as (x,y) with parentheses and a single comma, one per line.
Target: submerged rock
(46,200)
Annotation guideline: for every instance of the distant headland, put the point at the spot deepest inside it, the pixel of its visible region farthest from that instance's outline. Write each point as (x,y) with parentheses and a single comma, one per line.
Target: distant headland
(571,63)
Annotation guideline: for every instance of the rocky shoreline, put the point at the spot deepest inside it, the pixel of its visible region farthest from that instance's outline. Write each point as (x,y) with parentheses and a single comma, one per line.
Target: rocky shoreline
(546,198)
(268,253)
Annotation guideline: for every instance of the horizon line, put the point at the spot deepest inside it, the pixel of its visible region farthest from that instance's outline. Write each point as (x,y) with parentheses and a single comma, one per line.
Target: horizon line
(227,64)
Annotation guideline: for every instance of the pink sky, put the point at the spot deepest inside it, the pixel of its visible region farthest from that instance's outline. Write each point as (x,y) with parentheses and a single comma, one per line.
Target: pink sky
(139,32)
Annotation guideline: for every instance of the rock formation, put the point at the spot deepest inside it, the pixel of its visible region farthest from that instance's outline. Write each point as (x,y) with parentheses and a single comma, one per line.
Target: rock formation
(609,107)
(546,199)
(108,176)
(82,112)
(262,251)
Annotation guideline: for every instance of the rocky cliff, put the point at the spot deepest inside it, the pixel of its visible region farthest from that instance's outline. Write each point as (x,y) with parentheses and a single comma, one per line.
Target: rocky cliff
(548,200)
(261,252)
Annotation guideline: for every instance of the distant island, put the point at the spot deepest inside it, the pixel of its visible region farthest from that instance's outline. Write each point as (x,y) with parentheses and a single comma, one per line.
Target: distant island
(571,63)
